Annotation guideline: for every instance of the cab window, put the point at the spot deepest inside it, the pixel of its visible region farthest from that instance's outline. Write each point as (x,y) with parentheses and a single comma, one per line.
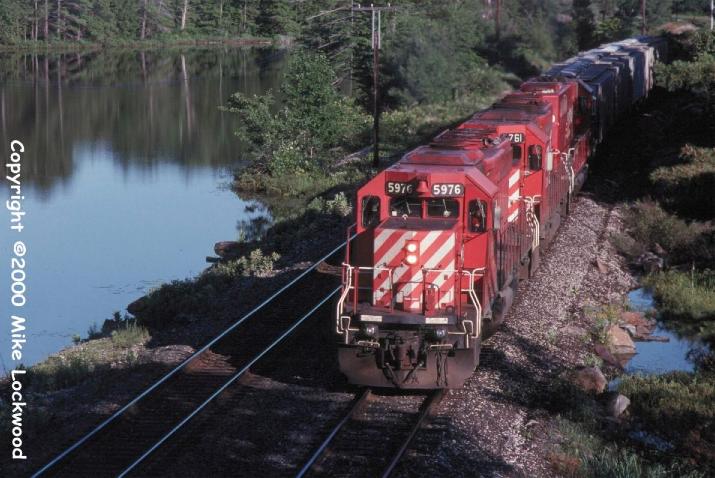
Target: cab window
(516,154)
(477,216)
(535,156)
(444,208)
(370,211)
(405,206)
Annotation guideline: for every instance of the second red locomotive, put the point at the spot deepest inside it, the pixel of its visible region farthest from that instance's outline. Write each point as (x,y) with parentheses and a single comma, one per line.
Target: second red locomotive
(444,235)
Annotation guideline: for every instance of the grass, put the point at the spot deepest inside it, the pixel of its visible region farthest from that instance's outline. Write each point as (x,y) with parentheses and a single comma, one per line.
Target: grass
(679,407)
(129,336)
(75,364)
(602,318)
(687,301)
(585,451)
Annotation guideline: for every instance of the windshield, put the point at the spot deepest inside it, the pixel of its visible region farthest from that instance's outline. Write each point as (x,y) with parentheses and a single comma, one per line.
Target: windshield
(442,207)
(412,207)
(406,206)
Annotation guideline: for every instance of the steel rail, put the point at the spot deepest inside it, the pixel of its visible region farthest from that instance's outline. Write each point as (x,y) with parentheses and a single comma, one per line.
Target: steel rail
(173,372)
(434,398)
(235,377)
(319,452)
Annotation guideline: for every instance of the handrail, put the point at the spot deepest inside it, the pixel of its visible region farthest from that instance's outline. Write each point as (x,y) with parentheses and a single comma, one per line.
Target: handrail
(352,283)
(353,271)
(531,218)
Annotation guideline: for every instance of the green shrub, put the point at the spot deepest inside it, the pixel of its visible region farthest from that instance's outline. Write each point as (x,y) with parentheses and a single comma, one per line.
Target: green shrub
(601,320)
(339,205)
(314,120)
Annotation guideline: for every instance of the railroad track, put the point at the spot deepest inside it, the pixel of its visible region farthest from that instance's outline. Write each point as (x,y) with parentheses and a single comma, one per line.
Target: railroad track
(372,437)
(122,442)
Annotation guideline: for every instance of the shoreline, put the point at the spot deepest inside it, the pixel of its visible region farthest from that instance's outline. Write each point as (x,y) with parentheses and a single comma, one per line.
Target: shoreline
(143,45)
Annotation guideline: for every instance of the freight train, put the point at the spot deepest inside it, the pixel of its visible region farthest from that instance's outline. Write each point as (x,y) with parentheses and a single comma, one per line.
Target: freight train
(443,236)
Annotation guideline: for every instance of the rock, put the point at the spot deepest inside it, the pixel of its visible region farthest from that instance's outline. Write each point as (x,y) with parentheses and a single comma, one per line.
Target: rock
(136,307)
(574,331)
(607,356)
(170,354)
(590,379)
(617,405)
(631,329)
(619,342)
(649,262)
(601,266)
(228,249)
(653,338)
(634,318)
(658,249)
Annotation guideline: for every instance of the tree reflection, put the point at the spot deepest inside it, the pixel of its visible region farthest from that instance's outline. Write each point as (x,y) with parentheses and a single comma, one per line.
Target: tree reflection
(143,107)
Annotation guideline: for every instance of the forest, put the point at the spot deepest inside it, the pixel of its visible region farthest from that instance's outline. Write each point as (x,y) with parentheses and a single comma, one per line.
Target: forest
(121,21)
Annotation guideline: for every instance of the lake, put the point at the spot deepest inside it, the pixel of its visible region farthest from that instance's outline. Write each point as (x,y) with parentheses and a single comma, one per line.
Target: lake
(125,176)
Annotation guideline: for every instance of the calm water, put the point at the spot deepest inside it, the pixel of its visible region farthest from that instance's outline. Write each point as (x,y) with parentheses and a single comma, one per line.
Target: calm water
(658,357)
(124,176)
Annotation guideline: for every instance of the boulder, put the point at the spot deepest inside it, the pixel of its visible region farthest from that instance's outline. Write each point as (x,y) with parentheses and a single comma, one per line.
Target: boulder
(607,356)
(634,318)
(138,306)
(658,249)
(590,379)
(617,405)
(229,249)
(619,342)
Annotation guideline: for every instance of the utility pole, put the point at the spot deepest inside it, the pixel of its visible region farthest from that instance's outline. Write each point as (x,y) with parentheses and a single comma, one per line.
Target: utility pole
(643,27)
(712,13)
(376,45)
(497,19)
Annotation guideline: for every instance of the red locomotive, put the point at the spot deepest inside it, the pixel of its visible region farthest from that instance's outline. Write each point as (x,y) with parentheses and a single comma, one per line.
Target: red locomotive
(444,235)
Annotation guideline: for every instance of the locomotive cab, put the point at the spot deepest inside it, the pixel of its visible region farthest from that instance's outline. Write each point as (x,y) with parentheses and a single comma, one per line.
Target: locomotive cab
(416,277)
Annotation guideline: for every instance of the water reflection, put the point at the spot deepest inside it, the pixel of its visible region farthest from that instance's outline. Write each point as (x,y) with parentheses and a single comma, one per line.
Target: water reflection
(146,107)
(660,357)
(126,160)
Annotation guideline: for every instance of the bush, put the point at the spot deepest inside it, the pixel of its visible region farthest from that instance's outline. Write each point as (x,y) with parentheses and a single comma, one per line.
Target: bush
(650,224)
(688,186)
(257,264)
(339,205)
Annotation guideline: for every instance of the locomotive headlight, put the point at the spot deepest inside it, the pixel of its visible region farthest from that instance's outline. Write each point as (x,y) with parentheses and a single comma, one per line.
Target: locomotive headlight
(411,247)
(371,330)
(411,259)
(440,332)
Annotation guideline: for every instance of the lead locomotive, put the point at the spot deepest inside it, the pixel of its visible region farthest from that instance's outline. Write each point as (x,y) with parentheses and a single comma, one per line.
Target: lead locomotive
(445,234)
